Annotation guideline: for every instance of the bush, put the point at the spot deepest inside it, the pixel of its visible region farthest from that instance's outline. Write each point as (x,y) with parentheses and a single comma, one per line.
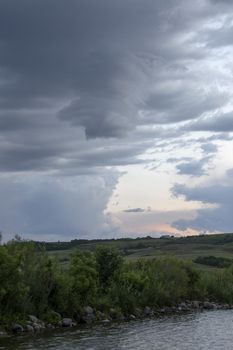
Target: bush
(219,262)
(32,283)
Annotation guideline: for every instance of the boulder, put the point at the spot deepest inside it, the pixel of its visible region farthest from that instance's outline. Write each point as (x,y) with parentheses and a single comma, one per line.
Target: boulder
(183,307)
(138,312)
(113,313)
(50,326)
(209,306)
(88,318)
(196,304)
(89,314)
(29,328)
(33,319)
(36,327)
(132,317)
(148,311)
(100,315)
(88,310)
(17,328)
(66,322)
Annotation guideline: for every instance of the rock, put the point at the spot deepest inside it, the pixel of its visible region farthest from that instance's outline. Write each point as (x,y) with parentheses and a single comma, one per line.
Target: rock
(17,328)
(36,327)
(29,328)
(106,321)
(33,319)
(113,313)
(88,318)
(209,306)
(196,304)
(173,309)
(88,310)
(148,311)
(50,326)
(138,312)
(36,323)
(132,317)
(89,314)
(100,315)
(168,310)
(183,307)
(66,322)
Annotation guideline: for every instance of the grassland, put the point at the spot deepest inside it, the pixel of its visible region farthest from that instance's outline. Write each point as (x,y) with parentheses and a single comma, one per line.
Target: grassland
(219,245)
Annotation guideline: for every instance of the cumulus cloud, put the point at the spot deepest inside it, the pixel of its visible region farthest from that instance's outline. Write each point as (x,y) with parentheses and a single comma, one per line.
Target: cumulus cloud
(56,209)
(209,148)
(218,217)
(193,167)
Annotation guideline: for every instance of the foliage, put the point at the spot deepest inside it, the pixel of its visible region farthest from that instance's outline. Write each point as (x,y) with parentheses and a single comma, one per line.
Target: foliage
(109,262)
(214,261)
(33,283)
(84,278)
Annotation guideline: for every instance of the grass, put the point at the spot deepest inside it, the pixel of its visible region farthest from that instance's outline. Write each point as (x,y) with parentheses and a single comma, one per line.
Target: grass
(184,248)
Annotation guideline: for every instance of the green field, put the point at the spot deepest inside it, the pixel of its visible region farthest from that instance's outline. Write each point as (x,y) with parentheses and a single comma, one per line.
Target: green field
(190,248)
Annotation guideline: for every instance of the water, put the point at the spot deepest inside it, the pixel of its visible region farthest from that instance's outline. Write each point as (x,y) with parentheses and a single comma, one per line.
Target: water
(195,331)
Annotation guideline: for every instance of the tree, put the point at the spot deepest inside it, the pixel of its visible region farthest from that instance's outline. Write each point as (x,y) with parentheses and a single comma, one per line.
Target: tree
(84,278)
(109,262)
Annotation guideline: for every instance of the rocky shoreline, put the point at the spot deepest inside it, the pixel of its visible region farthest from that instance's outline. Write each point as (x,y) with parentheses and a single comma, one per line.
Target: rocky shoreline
(90,315)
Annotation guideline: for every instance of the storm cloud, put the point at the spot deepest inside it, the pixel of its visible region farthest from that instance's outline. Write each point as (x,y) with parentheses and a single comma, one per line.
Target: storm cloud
(91,88)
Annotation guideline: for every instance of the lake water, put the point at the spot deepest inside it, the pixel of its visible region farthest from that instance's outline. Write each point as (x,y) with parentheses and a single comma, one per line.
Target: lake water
(194,331)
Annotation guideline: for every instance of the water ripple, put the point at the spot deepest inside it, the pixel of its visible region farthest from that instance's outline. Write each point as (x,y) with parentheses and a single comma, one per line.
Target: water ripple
(194,331)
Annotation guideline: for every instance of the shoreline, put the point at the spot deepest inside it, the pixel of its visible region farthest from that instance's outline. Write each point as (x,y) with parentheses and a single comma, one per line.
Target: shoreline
(91,317)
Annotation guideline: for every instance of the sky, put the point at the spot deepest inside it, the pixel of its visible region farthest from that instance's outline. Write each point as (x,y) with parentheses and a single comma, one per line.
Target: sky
(116,118)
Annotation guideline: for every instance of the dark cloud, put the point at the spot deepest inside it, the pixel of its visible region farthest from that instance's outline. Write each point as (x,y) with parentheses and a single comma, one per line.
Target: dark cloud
(106,62)
(185,103)
(134,210)
(100,116)
(55,208)
(86,86)
(221,2)
(216,123)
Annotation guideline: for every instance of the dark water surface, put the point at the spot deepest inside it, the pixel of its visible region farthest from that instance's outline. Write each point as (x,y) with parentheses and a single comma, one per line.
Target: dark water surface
(195,331)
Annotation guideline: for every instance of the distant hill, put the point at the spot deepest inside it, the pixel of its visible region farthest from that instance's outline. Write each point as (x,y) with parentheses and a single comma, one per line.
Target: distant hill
(193,248)
(143,242)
